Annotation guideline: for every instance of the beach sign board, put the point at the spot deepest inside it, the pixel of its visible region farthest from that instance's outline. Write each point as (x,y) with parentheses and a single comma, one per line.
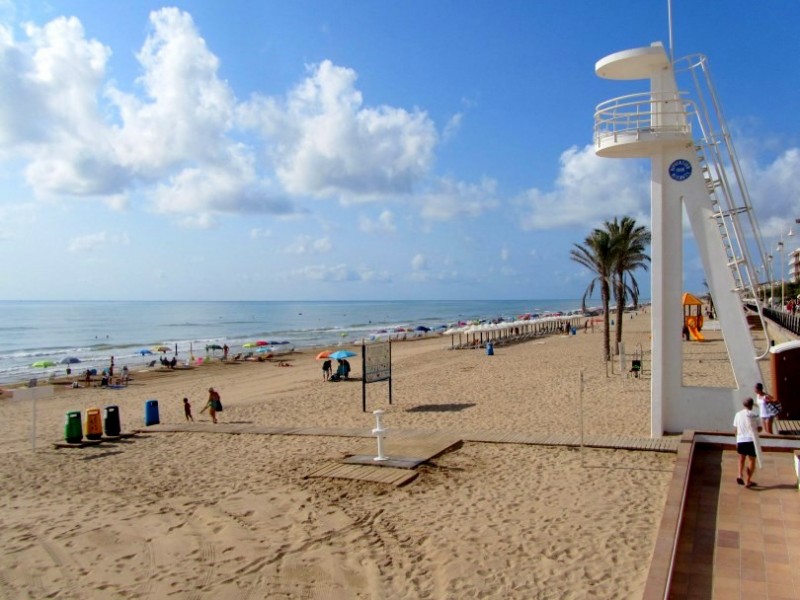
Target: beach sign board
(376,365)
(377,362)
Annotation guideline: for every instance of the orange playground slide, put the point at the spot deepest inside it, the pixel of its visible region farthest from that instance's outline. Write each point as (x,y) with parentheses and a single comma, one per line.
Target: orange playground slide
(694,332)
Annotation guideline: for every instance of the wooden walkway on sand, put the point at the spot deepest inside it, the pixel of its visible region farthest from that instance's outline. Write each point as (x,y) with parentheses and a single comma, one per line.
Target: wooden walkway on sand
(665,444)
(406,449)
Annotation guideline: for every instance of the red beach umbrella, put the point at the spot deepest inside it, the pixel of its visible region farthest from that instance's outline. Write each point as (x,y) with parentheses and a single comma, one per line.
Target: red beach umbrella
(323,355)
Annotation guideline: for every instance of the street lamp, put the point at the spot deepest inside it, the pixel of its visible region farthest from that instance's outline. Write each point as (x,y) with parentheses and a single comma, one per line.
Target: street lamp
(771,281)
(779,249)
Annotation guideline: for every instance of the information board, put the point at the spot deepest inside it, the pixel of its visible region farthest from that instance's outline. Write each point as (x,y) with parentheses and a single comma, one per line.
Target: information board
(377,362)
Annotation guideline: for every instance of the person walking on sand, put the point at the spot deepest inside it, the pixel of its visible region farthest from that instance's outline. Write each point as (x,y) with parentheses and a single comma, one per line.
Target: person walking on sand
(767,407)
(212,412)
(187,410)
(746,424)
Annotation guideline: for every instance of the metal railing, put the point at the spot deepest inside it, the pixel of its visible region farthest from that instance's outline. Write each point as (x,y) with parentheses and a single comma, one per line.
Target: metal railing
(789,321)
(642,113)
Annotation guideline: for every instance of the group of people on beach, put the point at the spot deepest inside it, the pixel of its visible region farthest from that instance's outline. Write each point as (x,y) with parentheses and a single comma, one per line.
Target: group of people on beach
(748,424)
(342,370)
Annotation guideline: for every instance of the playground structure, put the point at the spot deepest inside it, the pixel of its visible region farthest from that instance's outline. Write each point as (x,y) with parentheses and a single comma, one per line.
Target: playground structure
(692,317)
(694,169)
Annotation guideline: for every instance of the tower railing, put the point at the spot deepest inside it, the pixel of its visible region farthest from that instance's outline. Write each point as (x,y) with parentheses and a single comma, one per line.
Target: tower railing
(641,117)
(637,115)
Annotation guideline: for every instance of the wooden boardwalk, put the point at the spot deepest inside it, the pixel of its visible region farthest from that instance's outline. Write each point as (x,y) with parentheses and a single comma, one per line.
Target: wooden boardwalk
(406,449)
(665,444)
(787,426)
(390,475)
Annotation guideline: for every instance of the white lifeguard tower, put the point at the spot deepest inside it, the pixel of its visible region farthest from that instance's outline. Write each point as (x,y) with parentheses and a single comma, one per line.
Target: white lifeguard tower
(694,168)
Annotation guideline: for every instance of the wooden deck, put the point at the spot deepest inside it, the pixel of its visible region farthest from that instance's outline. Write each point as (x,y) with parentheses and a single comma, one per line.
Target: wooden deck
(787,426)
(407,449)
(665,444)
(389,475)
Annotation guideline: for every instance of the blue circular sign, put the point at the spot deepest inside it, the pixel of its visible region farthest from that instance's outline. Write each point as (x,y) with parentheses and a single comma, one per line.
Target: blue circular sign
(680,169)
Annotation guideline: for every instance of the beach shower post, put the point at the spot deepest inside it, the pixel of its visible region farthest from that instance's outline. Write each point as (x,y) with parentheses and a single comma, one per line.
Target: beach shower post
(379,432)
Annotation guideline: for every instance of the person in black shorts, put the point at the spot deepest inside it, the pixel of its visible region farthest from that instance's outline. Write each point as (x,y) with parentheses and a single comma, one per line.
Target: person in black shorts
(746,424)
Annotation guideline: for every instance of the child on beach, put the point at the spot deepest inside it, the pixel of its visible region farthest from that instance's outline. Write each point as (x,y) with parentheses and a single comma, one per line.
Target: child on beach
(187,410)
(326,370)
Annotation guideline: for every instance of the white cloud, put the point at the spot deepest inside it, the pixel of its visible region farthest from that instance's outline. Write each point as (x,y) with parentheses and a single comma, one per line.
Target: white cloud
(505,253)
(174,141)
(383,224)
(305,244)
(419,262)
(334,273)
(452,126)
(775,190)
(451,199)
(325,143)
(589,189)
(257,233)
(94,241)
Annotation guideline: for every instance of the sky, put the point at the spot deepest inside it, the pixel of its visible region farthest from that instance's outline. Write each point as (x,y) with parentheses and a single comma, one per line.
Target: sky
(351,149)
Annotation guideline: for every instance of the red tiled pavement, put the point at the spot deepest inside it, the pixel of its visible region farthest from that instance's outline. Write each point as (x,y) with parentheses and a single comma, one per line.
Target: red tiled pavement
(738,543)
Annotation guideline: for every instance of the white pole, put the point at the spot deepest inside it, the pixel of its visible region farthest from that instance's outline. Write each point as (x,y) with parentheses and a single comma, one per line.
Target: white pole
(580,405)
(33,425)
(669,19)
(379,432)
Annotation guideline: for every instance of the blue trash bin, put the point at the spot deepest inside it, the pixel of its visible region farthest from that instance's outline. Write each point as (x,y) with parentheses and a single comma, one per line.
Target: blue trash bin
(151,413)
(490,349)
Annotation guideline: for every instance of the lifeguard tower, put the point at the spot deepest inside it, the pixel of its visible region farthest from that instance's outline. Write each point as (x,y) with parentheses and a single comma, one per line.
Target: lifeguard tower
(694,169)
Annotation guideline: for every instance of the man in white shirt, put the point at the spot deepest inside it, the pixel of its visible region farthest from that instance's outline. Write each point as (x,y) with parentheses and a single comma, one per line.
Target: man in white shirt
(746,424)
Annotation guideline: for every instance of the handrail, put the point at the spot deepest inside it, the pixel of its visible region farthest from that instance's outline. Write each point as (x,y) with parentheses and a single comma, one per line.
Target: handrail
(664,112)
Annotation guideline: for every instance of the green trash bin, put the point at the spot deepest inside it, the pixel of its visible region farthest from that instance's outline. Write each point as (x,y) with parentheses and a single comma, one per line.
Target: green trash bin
(73,428)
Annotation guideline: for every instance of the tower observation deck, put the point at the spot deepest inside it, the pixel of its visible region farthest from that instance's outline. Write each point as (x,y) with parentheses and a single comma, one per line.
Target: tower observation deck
(694,168)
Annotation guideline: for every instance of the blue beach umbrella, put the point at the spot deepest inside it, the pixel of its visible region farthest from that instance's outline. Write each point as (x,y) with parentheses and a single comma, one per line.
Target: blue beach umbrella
(340,354)
(144,351)
(70,360)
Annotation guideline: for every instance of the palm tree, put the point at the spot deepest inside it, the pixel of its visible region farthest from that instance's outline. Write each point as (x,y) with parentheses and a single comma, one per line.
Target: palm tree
(629,242)
(597,255)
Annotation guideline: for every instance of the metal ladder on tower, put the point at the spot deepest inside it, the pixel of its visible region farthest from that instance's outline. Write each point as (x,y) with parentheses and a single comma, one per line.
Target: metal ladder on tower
(726,186)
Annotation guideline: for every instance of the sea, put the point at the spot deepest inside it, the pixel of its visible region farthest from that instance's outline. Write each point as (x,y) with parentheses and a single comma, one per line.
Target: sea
(88,333)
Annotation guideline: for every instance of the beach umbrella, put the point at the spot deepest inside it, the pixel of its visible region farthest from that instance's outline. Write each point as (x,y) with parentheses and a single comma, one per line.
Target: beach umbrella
(340,354)
(265,350)
(250,345)
(144,351)
(162,349)
(44,363)
(422,328)
(262,343)
(70,360)
(213,347)
(323,355)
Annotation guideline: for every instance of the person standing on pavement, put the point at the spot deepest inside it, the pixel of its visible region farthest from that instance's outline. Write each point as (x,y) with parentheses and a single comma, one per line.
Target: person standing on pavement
(746,425)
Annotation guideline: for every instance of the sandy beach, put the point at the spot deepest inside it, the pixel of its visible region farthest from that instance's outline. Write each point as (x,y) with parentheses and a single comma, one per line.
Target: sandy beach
(204,515)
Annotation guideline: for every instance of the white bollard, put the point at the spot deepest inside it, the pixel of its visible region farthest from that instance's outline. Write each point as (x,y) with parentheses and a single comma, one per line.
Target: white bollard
(379,432)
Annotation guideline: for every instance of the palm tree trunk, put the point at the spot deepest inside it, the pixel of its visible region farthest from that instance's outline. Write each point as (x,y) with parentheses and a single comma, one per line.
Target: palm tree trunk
(620,292)
(604,293)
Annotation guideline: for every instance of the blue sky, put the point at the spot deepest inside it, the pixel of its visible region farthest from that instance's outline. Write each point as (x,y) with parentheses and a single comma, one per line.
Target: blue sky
(349,149)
